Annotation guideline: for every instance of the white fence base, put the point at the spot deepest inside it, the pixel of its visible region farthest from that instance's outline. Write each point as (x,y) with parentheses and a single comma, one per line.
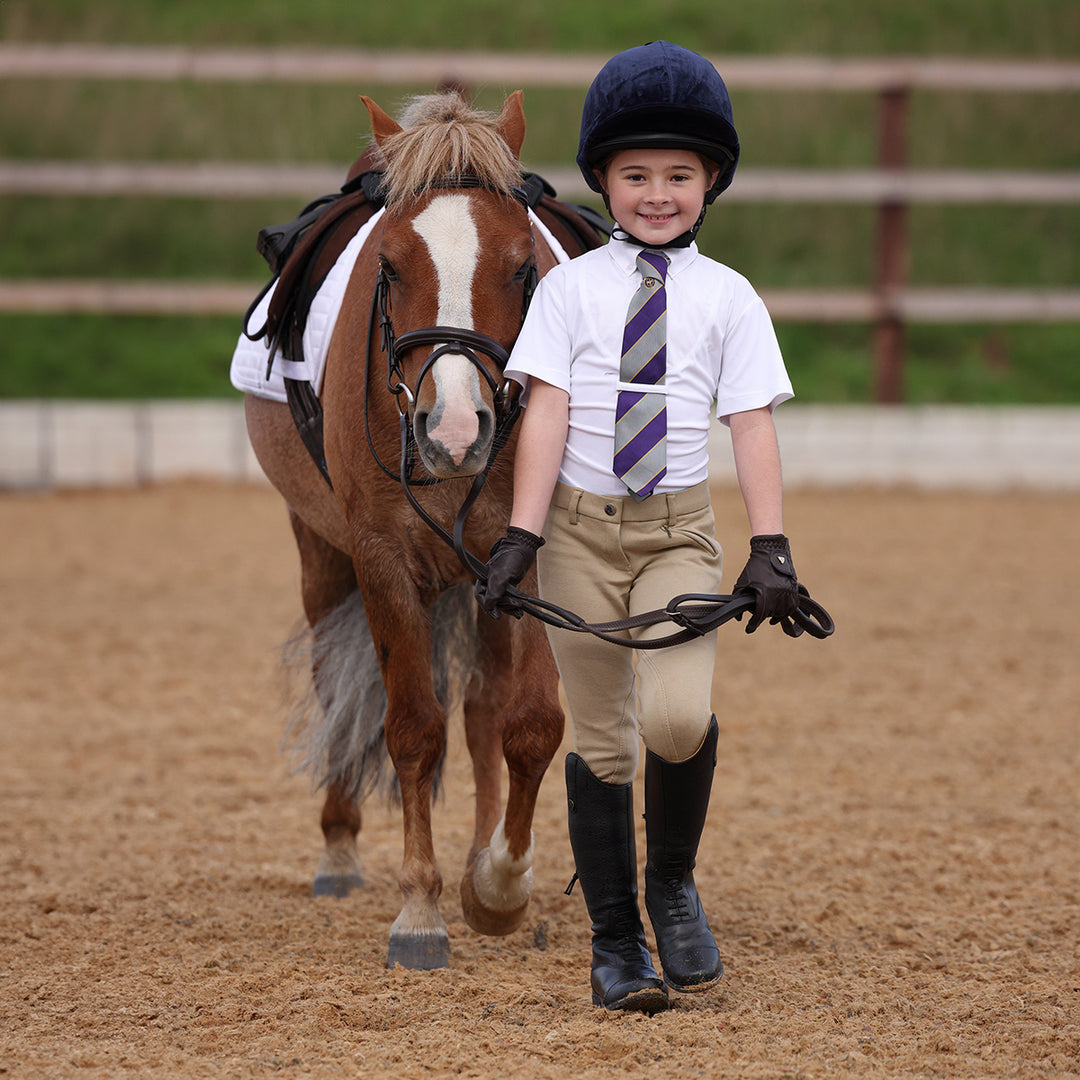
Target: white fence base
(51,444)
(933,446)
(60,444)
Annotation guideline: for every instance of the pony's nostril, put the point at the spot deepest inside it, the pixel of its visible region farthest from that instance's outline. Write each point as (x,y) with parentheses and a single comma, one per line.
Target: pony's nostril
(485,423)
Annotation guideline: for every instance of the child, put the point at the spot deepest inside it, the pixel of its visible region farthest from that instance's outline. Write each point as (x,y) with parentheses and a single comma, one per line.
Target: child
(622,535)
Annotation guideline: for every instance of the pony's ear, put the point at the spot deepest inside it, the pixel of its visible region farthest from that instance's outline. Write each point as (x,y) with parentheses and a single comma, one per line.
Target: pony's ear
(382,126)
(511,122)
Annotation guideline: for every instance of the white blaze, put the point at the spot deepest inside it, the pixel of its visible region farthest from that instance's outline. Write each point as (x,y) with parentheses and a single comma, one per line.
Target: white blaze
(447,228)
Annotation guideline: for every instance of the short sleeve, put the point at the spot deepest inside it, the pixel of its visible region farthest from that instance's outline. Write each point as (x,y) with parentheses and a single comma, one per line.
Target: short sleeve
(543,347)
(752,371)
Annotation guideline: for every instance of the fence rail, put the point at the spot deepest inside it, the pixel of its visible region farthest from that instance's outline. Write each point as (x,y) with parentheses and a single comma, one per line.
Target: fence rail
(223,179)
(319,65)
(892,187)
(55,296)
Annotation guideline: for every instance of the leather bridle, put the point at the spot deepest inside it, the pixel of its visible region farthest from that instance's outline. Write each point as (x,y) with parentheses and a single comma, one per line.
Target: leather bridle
(463,341)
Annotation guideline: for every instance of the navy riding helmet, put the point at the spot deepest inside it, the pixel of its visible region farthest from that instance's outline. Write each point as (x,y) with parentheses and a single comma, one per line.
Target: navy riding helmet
(658,95)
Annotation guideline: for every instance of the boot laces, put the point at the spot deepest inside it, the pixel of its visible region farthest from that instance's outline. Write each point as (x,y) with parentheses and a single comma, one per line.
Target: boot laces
(676,893)
(626,932)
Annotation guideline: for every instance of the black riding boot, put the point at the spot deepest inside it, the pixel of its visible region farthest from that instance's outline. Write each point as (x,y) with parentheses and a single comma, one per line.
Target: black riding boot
(601,820)
(676,801)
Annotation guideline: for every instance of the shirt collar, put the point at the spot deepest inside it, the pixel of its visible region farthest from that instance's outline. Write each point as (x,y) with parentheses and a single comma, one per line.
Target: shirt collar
(625,256)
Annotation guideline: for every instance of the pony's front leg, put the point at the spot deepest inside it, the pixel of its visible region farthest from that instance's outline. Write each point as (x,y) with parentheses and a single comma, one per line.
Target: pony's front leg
(497,884)
(415,729)
(416,739)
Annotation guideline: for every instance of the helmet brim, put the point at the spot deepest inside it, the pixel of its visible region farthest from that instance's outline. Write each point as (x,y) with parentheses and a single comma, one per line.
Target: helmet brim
(601,151)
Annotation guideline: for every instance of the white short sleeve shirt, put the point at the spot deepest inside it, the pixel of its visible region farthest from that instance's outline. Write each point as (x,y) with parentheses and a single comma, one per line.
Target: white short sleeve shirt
(721,348)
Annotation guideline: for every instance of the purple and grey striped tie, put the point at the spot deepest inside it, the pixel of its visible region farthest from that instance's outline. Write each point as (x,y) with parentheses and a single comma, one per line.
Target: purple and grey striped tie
(641,415)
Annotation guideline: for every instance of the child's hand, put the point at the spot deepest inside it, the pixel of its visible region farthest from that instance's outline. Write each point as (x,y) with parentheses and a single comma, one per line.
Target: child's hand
(770,575)
(508,562)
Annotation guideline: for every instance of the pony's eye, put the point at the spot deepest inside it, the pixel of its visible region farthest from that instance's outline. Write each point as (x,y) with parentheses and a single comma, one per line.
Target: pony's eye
(523,270)
(387,268)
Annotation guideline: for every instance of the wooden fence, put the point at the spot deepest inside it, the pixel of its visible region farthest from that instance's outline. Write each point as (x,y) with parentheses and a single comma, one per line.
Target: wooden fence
(892,187)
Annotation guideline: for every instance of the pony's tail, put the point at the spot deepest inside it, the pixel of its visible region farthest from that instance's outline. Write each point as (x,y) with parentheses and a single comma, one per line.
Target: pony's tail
(336,730)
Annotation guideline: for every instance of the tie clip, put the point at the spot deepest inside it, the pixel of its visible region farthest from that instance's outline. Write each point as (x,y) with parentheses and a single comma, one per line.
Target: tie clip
(642,387)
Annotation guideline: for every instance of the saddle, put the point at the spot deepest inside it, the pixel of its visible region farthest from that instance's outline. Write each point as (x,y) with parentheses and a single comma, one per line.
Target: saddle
(301,252)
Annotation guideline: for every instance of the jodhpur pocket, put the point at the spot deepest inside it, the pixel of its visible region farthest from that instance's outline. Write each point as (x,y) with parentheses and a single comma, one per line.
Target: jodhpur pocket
(700,540)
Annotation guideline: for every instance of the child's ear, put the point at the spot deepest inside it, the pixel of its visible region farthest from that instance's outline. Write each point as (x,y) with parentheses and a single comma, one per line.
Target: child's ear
(601,176)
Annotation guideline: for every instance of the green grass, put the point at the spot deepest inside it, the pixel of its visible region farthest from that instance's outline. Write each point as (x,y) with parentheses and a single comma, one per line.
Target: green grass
(102,357)
(776,246)
(42,118)
(959,364)
(136,238)
(1033,28)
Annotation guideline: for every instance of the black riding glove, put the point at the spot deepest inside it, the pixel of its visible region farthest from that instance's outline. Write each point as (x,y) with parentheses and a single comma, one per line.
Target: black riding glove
(508,562)
(769,574)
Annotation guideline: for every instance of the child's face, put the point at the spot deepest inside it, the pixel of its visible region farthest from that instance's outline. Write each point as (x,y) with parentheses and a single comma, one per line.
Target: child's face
(656,195)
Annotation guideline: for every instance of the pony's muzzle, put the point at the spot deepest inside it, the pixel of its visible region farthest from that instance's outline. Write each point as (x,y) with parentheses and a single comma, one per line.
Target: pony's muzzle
(452,422)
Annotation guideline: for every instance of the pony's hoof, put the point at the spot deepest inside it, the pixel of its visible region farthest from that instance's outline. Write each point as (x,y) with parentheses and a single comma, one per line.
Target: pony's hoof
(496,887)
(338,885)
(419,952)
(482,918)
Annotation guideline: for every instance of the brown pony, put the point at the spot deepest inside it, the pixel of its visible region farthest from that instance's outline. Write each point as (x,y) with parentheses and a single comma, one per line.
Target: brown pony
(393,619)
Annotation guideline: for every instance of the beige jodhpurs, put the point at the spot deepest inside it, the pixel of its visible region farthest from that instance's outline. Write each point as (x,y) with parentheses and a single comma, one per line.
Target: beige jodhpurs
(609,558)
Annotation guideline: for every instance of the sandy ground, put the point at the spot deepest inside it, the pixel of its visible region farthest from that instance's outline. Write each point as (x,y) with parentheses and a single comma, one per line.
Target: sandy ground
(892,861)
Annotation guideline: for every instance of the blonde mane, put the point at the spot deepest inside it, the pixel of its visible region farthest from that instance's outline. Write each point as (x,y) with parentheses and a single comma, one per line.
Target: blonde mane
(442,138)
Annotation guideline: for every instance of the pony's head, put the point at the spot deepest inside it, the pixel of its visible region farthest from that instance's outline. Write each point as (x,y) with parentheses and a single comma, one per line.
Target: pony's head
(456,258)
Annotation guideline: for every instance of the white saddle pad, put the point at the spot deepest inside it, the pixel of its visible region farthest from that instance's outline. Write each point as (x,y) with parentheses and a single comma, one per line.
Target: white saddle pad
(247,372)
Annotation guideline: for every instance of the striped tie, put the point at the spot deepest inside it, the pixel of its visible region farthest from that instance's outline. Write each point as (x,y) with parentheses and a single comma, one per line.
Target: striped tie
(641,416)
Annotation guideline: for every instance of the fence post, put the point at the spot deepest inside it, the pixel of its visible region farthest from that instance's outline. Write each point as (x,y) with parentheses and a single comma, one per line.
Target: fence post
(891,252)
